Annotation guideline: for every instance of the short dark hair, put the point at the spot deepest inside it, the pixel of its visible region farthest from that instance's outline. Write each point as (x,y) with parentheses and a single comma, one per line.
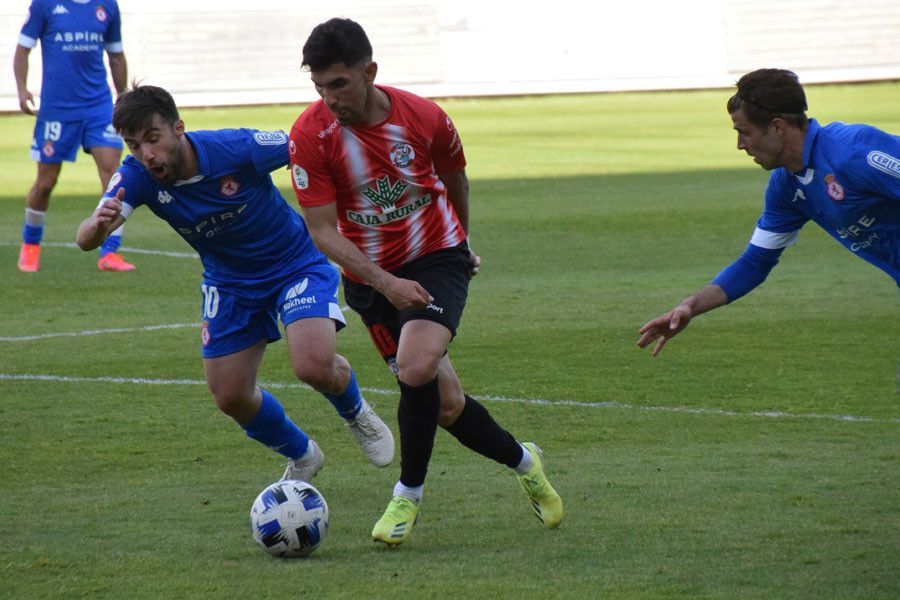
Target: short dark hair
(135,109)
(768,93)
(336,41)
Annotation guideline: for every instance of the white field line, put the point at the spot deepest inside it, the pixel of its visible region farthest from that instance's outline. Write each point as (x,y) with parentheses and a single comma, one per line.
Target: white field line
(44,336)
(532,401)
(124,249)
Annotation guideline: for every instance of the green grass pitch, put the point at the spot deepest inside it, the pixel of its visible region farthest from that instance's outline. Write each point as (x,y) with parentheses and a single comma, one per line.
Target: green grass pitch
(757,457)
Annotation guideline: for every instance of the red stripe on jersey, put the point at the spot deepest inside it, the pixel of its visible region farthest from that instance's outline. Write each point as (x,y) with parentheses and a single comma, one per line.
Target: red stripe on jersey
(390,201)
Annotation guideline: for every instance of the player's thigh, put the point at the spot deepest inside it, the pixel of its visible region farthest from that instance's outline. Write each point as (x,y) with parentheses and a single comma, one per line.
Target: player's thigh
(311,344)
(379,316)
(100,140)
(421,348)
(232,378)
(56,141)
(107,160)
(445,274)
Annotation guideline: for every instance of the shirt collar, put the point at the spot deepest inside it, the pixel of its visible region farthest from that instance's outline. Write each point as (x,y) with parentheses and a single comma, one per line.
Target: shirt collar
(811,132)
(202,160)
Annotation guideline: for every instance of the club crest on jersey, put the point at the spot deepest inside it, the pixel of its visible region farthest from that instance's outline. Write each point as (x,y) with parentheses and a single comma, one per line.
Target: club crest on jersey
(114,181)
(292,147)
(402,155)
(385,194)
(230,186)
(48,149)
(301,179)
(101,14)
(835,189)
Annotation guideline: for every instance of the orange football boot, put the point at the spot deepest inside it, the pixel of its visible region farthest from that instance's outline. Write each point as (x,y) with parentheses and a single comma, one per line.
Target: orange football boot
(114,262)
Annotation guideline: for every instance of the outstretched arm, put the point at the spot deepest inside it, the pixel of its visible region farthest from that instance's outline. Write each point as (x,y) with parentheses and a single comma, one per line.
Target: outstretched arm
(670,324)
(322,223)
(107,218)
(736,280)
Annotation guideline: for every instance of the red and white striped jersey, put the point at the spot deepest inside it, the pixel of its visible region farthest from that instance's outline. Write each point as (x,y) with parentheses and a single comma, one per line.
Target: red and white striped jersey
(384,177)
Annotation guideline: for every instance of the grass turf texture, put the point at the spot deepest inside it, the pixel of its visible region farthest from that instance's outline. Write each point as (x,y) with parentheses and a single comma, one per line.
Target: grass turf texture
(592,214)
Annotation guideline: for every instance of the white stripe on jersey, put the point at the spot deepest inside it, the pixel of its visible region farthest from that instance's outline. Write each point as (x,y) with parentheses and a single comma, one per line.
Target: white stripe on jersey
(359,170)
(773,241)
(27,42)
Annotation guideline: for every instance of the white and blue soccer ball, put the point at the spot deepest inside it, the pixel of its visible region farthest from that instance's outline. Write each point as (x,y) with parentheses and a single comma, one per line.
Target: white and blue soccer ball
(289,519)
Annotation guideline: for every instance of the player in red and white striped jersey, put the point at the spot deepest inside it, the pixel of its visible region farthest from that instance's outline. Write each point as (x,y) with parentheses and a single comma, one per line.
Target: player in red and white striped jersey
(380,176)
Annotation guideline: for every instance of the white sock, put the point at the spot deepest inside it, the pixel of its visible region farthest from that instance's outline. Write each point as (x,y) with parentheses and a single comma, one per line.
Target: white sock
(118,231)
(525,464)
(34,218)
(413,493)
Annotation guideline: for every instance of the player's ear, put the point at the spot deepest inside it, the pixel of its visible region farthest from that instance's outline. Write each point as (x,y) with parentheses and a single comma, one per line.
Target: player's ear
(369,72)
(778,125)
(178,126)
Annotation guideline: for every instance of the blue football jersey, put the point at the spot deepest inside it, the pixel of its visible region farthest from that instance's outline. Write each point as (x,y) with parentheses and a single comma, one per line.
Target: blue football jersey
(231,213)
(73,37)
(850,186)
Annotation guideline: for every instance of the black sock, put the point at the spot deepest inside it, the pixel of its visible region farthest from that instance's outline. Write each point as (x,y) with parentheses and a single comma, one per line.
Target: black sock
(417,417)
(476,429)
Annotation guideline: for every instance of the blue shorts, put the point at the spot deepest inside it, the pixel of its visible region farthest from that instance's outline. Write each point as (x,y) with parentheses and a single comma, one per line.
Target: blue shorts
(236,317)
(56,141)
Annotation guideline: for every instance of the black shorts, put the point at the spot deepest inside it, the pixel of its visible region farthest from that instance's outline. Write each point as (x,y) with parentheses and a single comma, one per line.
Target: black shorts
(445,274)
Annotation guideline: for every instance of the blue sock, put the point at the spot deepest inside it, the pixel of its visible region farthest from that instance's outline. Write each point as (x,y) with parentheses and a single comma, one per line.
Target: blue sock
(32,234)
(273,428)
(111,245)
(349,402)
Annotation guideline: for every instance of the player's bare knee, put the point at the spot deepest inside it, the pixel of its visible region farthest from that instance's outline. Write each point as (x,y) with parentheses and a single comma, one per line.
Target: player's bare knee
(318,374)
(416,372)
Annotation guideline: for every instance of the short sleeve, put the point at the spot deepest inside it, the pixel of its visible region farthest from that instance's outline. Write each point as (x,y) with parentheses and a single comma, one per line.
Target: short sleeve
(114,31)
(34,25)
(310,176)
(268,150)
(446,146)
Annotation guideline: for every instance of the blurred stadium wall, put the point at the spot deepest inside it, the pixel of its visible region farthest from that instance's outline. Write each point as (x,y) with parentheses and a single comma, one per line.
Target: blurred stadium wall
(227,52)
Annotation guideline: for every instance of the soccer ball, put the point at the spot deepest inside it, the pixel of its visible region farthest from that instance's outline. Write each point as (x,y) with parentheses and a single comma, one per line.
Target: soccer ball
(289,519)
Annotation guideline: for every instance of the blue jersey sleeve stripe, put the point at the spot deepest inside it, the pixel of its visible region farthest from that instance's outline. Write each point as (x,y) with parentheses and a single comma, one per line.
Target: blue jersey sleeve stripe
(27,41)
(772,240)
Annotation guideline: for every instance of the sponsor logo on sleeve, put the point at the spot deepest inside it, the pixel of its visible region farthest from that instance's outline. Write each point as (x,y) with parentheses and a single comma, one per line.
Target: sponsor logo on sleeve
(884,162)
(270,138)
(301,179)
(835,189)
